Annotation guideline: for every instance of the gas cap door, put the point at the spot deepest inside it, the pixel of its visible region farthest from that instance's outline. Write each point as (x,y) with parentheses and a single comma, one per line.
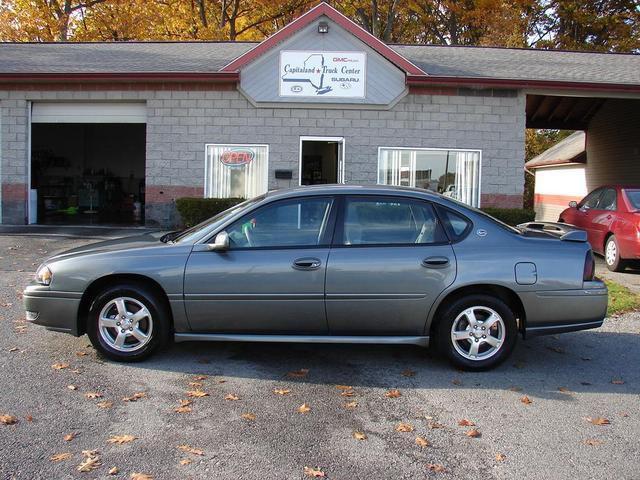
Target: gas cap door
(526,273)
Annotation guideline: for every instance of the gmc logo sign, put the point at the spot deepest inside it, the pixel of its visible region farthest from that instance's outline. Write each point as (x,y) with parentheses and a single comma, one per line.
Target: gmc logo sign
(237,157)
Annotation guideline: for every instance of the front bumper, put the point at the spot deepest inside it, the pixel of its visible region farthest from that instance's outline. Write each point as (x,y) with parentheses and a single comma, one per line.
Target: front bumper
(558,311)
(54,310)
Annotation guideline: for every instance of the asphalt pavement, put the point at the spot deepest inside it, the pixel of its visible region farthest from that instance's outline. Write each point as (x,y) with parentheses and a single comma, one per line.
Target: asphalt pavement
(565,406)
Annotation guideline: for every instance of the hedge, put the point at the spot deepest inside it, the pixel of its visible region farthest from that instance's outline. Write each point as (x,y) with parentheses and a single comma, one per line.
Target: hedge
(194,210)
(511,216)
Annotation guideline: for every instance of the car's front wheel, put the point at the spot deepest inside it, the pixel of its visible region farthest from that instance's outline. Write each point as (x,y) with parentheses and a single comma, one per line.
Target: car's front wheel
(612,255)
(477,332)
(127,322)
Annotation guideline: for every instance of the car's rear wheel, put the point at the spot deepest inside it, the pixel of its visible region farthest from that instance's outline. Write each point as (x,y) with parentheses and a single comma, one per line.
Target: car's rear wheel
(477,332)
(612,255)
(127,322)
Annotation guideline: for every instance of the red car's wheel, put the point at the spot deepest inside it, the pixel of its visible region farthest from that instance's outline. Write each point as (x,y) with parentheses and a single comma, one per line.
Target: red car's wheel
(612,258)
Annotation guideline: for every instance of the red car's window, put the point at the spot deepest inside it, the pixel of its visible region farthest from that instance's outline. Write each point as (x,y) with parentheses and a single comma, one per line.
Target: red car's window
(634,198)
(608,200)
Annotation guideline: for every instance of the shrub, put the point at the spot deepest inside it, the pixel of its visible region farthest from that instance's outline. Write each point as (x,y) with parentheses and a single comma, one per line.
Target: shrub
(511,216)
(194,210)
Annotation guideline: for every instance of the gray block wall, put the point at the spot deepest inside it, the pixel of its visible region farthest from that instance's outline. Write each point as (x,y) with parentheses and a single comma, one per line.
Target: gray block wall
(180,123)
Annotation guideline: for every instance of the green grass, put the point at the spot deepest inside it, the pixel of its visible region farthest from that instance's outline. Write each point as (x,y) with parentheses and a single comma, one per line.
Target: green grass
(621,299)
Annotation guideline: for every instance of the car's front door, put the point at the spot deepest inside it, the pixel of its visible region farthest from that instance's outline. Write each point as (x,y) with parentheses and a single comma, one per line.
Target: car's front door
(602,216)
(390,260)
(271,278)
(585,213)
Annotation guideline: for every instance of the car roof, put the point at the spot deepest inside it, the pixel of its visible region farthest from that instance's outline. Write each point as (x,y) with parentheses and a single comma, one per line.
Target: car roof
(332,189)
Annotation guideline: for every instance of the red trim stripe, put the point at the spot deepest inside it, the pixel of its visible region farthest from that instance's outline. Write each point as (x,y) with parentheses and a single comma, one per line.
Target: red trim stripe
(304,20)
(551,199)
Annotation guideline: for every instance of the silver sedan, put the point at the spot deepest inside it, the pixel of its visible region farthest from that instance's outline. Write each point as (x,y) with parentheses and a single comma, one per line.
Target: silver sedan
(332,264)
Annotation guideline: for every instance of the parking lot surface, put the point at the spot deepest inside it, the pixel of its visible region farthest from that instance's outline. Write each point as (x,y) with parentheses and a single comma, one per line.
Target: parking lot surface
(564,406)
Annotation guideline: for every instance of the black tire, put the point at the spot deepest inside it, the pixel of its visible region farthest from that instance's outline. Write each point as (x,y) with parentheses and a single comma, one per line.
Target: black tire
(618,264)
(445,323)
(154,303)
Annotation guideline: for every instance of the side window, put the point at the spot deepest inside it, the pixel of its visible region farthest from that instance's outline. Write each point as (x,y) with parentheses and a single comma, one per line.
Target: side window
(591,200)
(608,200)
(385,221)
(294,223)
(455,224)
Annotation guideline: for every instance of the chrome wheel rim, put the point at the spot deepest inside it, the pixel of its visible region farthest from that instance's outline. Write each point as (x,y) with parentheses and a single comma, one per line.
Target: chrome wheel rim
(125,324)
(478,333)
(611,252)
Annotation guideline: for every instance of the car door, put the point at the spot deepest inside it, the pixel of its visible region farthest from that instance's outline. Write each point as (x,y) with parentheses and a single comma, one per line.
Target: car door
(602,216)
(271,278)
(584,213)
(389,261)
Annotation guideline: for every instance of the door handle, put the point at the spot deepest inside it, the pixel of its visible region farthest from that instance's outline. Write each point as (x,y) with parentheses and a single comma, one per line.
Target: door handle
(308,263)
(435,262)
(608,217)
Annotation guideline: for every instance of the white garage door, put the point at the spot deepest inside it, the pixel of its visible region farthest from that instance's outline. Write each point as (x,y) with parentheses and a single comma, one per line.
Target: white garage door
(89,112)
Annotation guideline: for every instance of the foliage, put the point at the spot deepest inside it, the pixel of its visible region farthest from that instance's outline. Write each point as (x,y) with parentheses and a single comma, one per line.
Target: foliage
(621,299)
(511,216)
(194,210)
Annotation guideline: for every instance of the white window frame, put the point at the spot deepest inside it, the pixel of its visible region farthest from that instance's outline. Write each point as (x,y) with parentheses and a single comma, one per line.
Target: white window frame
(341,160)
(222,144)
(437,149)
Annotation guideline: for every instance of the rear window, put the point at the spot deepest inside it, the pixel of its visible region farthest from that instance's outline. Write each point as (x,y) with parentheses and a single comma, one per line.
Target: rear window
(634,198)
(455,224)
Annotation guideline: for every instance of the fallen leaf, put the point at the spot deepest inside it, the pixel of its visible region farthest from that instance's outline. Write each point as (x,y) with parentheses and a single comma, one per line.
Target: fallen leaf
(184,406)
(526,400)
(81,354)
(141,476)
(564,390)
(232,397)
(348,393)
(466,423)
(105,404)
(221,380)
(121,439)
(515,389)
(70,436)
(352,404)
(90,463)
(394,393)
(314,472)
(500,457)
(436,467)
(8,419)
(298,373)
(422,442)
(404,427)
(617,381)
(408,373)
(199,378)
(13,349)
(359,436)
(114,471)
(93,395)
(135,397)
(197,394)
(72,387)
(473,433)
(60,366)
(28,418)
(433,425)
(456,381)
(281,391)
(58,457)
(185,461)
(195,384)
(191,450)
(248,416)
(304,408)
(599,421)
(592,442)
(344,387)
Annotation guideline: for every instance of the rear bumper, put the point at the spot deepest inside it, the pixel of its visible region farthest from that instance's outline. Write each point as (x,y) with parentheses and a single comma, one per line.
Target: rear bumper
(559,311)
(54,310)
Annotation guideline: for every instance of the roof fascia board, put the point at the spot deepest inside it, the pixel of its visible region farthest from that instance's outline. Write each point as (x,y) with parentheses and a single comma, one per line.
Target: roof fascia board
(215,77)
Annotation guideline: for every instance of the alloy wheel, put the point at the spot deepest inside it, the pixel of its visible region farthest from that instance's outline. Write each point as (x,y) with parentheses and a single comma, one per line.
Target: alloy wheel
(478,333)
(125,324)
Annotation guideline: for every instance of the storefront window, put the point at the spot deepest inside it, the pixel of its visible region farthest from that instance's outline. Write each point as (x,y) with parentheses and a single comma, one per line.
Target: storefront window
(454,173)
(239,171)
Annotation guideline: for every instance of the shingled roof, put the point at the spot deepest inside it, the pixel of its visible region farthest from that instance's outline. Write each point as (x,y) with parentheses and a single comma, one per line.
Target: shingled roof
(446,62)
(568,151)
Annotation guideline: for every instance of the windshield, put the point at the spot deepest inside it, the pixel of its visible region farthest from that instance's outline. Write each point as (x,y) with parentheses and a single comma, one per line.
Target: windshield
(634,198)
(197,231)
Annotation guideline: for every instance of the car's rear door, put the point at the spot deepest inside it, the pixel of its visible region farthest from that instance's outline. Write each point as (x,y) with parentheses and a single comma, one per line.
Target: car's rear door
(271,279)
(389,261)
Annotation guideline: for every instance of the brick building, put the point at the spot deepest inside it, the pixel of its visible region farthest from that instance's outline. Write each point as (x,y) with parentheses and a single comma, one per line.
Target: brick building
(115,132)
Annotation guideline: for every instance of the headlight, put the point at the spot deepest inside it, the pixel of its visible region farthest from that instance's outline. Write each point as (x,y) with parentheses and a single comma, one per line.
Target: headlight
(43,275)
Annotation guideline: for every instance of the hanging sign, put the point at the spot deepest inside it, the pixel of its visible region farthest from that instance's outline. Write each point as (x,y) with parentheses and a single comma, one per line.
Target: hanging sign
(322,74)
(237,157)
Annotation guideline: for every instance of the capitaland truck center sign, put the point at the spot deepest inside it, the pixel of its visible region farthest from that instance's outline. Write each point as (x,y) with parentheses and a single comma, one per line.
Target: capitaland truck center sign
(306,73)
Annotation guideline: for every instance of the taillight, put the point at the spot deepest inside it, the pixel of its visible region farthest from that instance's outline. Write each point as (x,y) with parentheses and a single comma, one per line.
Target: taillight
(589,267)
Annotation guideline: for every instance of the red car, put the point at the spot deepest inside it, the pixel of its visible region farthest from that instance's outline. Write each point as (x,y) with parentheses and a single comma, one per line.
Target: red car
(611,217)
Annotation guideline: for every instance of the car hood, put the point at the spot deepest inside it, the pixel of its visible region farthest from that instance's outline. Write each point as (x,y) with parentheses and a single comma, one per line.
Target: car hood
(147,240)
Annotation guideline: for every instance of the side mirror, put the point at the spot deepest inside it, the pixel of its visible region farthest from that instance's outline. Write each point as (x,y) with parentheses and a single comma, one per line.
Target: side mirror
(573,204)
(220,243)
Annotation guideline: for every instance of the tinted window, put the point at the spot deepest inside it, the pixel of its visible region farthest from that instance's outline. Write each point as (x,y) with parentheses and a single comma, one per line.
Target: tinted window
(455,224)
(608,200)
(384,221)
(634,198)
(591,200)
(295,223)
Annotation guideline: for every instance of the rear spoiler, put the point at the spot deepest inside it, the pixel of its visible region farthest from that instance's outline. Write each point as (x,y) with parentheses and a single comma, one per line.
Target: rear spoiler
(563,231)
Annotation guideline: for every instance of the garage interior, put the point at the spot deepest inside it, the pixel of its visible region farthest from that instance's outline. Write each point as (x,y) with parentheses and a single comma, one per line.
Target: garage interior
(87,173)
(320,162)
